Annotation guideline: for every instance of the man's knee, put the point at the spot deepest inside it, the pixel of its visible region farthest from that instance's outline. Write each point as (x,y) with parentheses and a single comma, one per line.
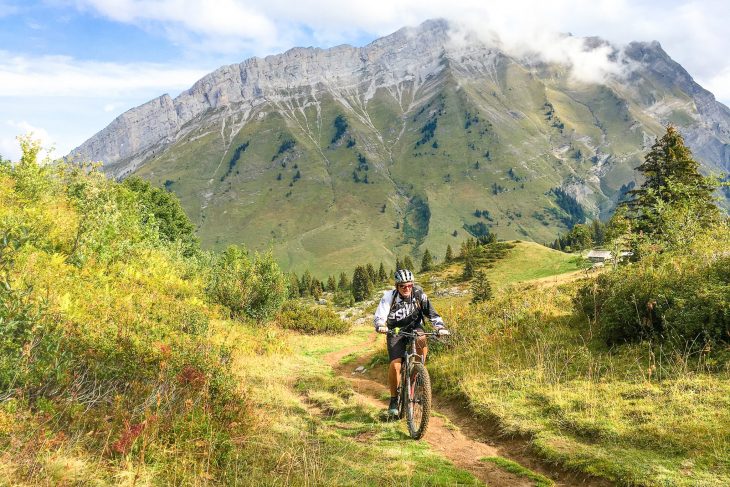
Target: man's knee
(421,343)
(395,363)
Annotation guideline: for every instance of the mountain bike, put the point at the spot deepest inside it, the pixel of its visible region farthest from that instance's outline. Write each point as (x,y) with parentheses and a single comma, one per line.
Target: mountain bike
(414,392)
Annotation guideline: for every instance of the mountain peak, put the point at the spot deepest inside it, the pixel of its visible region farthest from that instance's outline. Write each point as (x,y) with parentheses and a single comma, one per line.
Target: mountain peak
(413,141)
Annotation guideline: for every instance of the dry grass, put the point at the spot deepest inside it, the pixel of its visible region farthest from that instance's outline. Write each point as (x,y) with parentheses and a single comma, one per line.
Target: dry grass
(528,361)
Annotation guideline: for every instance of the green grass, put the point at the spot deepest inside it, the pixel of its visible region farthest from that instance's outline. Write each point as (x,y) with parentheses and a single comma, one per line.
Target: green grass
(314,429)
(520,471)
(529,261)
(635,415)
(525,261)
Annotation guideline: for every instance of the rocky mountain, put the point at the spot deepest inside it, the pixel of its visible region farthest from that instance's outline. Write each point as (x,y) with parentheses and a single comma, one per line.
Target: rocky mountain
(415,141)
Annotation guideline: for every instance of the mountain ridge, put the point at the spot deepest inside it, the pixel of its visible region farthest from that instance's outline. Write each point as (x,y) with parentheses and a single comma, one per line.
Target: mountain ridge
(435,128)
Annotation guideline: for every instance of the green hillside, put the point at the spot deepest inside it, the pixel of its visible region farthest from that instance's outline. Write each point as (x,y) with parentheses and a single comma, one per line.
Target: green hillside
(404,174)
(376,163)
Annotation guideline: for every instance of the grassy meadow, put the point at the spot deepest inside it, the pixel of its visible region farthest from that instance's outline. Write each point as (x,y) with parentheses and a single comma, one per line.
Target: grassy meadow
(649,413)
(129,356)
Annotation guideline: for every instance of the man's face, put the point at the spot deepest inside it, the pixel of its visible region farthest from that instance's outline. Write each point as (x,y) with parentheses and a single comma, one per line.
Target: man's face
(405,289)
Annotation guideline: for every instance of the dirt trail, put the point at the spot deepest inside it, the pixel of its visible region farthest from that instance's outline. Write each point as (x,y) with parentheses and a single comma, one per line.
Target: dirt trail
(453,432)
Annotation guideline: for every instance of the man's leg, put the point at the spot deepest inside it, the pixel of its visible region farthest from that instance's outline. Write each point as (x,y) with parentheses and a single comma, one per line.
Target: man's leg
(394,376)
(422,347)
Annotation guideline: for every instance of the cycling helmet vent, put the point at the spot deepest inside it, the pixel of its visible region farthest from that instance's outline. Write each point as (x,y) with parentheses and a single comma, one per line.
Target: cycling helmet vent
(403,275)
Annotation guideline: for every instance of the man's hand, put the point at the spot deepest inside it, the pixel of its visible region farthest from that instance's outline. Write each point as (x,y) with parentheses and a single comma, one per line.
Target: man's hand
(441,331)
(382,329)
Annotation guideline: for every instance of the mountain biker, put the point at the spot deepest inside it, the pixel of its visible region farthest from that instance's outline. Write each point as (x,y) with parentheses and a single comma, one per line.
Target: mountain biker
(404,308)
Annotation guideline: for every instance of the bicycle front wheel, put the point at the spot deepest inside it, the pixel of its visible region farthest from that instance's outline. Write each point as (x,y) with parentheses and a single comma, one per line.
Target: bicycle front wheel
(418,403)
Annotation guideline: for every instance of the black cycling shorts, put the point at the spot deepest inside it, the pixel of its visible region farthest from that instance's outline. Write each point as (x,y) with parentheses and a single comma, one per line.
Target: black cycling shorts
(397,345)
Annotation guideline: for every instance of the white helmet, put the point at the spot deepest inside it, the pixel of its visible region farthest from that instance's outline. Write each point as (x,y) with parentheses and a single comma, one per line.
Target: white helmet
(403,275)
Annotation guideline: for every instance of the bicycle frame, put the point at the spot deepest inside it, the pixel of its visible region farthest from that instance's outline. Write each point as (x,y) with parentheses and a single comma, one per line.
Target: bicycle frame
(410,358)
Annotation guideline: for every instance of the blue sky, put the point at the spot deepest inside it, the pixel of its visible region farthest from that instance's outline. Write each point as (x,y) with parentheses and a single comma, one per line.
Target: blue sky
(69,67)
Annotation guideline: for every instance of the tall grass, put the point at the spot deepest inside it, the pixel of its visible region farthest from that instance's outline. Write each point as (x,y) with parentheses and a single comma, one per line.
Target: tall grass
(639,414)
(107,370)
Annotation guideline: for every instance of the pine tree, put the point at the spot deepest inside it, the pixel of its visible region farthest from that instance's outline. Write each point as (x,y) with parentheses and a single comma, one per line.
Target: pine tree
(449,254)
(408,263)
(317,290)
(382,276)
(305,284)
(672,180)
(426,261)
(294,286)
(467,246)
(344,283)
(372,275)
(481,289)
(468,272)
(331,284)
(598,232)
(361,286)
(398,264)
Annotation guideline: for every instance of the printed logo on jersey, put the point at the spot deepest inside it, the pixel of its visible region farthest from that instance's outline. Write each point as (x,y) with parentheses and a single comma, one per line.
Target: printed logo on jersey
(402,311)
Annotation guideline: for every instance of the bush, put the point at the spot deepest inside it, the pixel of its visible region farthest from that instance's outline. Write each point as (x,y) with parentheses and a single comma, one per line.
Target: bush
(103,332)
(675,299)
(255,288)
(311,319)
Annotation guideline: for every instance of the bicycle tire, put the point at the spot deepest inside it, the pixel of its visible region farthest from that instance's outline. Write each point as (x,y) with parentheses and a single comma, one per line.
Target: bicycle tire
(418,408)
(402,397)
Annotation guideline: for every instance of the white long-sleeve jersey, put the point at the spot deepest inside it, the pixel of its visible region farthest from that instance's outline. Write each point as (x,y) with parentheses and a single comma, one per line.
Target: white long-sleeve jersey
(404,313)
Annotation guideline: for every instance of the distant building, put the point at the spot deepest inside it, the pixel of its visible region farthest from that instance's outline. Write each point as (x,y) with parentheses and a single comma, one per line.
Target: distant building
(596,256)
(601,256)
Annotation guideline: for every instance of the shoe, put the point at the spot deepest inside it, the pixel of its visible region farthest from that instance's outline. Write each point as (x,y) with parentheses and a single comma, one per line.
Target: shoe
(393,407)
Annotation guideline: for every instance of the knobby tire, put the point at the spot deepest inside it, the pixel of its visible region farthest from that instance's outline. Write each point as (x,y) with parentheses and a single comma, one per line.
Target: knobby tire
(418,401)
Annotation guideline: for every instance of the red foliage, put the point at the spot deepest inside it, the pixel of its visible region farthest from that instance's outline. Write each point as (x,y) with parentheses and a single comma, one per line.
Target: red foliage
(191,376)
(130,433)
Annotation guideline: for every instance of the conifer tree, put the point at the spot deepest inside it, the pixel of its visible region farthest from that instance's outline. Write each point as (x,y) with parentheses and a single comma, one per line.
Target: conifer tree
(398,264)
(372,275)
(408,263)
(426,261)
(317,290)
(672,180)
(382,276)
(294,291)
(305,284)
(344,283)
(468,272)
(361,286)
(481,289)
(449,254)
(331,284)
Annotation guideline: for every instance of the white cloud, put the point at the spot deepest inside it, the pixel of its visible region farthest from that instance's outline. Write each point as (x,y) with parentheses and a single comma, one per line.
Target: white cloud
(719,85)
(232,23)
(65,76)
(64,101)
(694,32)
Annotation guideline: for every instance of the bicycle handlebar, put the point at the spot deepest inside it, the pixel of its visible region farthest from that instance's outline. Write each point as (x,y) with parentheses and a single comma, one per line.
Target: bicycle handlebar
(412,334)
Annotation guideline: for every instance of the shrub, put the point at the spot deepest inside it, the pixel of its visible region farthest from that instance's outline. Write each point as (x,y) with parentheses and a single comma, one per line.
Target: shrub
(255,288)
(103,331)
(480,287)
(343,298)
(309,319)
(676,299)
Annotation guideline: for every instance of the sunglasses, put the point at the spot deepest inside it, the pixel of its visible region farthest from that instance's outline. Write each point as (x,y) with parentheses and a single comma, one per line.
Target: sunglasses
(405,286)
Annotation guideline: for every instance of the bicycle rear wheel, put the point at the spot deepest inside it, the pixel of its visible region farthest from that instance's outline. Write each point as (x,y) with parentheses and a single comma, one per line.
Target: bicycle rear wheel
(418,403)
